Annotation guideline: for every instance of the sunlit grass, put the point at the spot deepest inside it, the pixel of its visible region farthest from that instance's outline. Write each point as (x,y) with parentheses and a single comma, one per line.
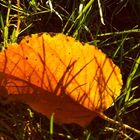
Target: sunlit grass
(81,20)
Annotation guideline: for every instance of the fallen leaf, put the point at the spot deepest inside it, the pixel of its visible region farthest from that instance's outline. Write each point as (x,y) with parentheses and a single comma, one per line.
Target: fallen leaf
(58,74)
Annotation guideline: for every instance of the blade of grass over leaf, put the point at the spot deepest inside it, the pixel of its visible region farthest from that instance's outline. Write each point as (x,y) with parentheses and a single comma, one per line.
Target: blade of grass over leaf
(1,21)
(130,78)
(7,24)
(81,14)
(120,46)
(51,124)
(101,12)
(120,32)
(133,48)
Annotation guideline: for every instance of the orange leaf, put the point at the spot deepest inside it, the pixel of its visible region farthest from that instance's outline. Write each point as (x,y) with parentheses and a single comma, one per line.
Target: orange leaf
(57,74)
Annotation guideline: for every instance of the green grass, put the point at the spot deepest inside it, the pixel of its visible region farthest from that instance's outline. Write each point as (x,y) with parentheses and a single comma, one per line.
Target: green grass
(84,21)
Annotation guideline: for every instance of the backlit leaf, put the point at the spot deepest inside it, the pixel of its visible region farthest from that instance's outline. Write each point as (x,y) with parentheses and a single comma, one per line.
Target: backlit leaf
(57,74)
